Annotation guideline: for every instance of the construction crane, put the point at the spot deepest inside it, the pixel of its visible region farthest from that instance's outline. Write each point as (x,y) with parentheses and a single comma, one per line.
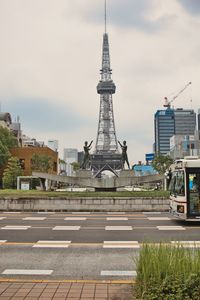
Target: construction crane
(167,103)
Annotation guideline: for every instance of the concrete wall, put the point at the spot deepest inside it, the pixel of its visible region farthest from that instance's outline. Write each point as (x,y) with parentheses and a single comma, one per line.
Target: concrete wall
(84,204)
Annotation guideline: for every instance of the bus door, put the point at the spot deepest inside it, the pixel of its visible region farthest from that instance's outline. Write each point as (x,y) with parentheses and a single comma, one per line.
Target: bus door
(193,193)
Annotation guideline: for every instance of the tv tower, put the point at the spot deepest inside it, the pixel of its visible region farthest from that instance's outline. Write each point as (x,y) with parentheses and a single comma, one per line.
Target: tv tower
(106,155)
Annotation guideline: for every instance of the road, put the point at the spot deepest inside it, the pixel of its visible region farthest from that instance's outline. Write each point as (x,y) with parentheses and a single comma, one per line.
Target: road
(83,245)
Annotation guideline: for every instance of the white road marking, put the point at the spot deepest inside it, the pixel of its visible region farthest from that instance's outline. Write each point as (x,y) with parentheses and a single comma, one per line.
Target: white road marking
(118,228)
(75,218)
(170,228)
(26,272)
(81,212)
(46,212)
(151,212)
(186,244)
(2,218)
(3,241)
(66,228)
(121,244)
(158,219)
(16,227)
(118,273)
(34,218)
(52,244)
(117,219)
(12,212)
(116,213)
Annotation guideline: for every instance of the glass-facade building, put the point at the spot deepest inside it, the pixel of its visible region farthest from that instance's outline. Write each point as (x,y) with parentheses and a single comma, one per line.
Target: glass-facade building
(170,122)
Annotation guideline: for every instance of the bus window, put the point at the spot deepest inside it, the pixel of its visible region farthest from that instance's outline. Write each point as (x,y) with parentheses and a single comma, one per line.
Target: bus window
(194,193)
(177,184)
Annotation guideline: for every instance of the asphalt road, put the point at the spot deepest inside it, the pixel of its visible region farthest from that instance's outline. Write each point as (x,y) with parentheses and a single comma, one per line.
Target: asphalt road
(83,245)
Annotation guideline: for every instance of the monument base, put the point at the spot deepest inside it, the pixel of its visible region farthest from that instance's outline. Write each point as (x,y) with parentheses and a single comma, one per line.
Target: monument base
(83,173)
(126,173)
(106,162)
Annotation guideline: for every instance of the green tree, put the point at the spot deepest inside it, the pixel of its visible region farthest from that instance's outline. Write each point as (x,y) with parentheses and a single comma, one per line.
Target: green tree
(161,163)
(7,141)
(41,162)
(4,154)
(75,165)
(11,172)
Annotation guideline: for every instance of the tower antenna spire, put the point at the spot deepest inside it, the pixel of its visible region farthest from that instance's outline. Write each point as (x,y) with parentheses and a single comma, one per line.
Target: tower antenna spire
(105,16)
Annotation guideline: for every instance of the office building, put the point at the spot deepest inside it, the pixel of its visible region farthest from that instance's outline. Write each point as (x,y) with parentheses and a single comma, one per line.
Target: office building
(184,145)
(171,122)
(70,155)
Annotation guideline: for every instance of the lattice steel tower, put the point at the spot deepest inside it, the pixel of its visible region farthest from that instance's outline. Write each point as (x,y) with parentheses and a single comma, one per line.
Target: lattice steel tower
(106,155)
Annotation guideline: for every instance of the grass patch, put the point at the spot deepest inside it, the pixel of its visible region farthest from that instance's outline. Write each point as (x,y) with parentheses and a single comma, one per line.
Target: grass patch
(35,193)
(168,272)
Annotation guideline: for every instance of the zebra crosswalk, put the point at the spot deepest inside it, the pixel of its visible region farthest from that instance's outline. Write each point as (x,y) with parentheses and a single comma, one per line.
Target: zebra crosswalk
(79,227)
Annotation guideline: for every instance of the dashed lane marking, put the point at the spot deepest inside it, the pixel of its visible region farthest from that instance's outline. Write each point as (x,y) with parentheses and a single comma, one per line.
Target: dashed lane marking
(121,244)
(12,212)
(116,213)
(118,228)
(46,212)
(118,273)
(34,218)
(26,272)
(52,244)
(105,244)
(151,213)
(75,219)
(170,228)
(2,218)
(12,227)
(158,219)
(117,219)
(81,213)
(66,228)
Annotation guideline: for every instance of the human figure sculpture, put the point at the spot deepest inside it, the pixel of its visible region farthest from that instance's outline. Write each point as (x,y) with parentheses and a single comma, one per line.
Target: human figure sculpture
(86,157)
(124,154)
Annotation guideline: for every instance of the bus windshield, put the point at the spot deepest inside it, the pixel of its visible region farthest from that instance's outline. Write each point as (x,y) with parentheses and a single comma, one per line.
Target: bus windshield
(177,183)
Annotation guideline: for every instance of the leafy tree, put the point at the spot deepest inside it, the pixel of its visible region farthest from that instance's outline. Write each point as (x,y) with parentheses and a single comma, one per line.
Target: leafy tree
(7,141)
(161,163)
(11,172)
(41,162)
(4,154)
(75,165)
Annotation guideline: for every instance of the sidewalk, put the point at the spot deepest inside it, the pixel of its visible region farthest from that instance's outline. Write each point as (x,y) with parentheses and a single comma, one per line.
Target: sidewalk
(82,290)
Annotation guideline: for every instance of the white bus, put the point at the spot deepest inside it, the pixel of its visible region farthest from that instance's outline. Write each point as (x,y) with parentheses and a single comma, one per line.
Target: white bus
(184,186)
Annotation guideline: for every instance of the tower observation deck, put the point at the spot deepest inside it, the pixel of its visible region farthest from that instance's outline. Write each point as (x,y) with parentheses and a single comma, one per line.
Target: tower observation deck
(106,155)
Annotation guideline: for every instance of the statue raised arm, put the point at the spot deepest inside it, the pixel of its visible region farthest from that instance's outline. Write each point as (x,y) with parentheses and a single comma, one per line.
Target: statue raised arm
(124,153)
(86,158)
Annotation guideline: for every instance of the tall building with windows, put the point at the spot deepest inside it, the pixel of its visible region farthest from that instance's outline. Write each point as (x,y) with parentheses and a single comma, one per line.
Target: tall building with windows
(171,122)
(185,121)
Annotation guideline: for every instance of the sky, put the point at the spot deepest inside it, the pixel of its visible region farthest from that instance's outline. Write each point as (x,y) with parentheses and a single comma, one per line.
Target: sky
(50,57)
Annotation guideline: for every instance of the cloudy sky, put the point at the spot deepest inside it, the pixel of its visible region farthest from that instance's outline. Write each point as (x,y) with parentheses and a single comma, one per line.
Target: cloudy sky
(50,56)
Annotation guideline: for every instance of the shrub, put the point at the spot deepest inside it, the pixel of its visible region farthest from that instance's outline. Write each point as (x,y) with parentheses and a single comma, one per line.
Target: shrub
(168,272)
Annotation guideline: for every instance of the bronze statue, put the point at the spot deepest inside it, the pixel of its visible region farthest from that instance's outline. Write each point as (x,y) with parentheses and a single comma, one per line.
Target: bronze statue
(124,154)
(86,158)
